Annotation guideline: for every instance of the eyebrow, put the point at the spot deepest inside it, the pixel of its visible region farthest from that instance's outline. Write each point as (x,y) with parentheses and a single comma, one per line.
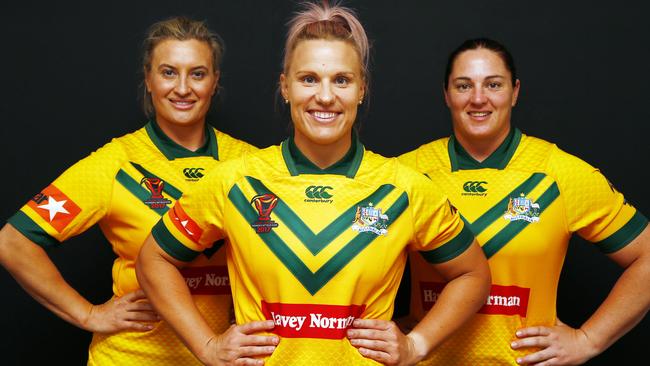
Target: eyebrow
(347,73)
(174,67)
(487,77)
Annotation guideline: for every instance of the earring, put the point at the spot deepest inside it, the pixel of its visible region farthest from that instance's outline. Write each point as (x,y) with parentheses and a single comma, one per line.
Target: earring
(286,101)
(360,101)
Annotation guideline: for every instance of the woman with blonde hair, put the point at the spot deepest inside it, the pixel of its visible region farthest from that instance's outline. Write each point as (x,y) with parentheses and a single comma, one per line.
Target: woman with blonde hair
(125,187)
(318,229)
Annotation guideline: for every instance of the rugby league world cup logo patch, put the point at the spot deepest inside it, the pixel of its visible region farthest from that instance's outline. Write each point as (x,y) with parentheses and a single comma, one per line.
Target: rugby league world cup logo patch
(264,204)
(155,186)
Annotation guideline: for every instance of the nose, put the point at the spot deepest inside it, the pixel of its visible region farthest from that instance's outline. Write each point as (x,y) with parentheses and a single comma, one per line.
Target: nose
(479,96)
(182,86)
(325,95)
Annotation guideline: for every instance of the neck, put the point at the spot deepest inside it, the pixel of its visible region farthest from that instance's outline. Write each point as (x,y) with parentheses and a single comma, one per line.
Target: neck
(191,136)
(323,156)
(481,147)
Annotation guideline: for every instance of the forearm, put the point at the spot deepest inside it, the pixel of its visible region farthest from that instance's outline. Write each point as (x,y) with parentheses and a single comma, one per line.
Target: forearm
(166,289)
(459,300)
(32,268)
(624,307)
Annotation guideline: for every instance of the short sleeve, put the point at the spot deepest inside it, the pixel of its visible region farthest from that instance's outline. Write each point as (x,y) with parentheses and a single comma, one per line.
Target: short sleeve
(595,209)
(195,221)
(440,233)
(74,202)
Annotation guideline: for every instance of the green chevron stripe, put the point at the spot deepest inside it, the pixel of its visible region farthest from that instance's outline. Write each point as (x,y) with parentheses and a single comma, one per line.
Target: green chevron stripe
(172,191)
(317,242)
(492,246)
(137,190)
(497,210)
(313,281)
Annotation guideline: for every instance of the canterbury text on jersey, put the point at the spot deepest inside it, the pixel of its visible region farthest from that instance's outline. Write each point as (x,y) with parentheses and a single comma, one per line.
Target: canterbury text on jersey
(314,249)
(126,186)
(523,203)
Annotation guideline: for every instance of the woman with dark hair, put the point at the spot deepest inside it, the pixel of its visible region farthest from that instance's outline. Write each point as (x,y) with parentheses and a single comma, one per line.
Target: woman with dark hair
(523,198)
(318,229)
(125,187)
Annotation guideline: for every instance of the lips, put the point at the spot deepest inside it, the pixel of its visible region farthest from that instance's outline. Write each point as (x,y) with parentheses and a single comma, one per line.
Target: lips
(182,104)
(323,116)
(479,115)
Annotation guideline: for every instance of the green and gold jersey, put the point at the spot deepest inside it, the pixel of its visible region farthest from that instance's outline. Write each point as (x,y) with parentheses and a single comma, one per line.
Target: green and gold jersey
(126,186)
(523,203)
(314,249)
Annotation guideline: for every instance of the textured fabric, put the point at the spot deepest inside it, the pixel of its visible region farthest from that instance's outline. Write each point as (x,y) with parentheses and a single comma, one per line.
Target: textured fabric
(313,251)
(523,216)
(126,186)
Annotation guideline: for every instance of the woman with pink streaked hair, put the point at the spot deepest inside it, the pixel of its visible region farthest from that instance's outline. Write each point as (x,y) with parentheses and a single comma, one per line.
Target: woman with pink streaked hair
(318,229)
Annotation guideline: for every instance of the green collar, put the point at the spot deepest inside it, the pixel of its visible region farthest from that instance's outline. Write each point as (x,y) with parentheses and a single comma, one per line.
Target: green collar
(298,163)
(172,150)
(462,160)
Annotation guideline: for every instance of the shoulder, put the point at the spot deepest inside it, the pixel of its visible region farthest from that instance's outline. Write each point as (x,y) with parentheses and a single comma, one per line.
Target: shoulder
(250,162)
(402,176)
(231,147)
(428,157)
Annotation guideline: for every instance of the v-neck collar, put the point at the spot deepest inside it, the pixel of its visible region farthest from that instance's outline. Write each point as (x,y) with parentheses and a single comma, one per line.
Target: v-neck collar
(461,160)
(172,150)
(297,163)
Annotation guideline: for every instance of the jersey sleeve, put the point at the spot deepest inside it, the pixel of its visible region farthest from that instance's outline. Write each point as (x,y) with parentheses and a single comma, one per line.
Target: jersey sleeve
(232,148)
(195,221)
(439,232)
(409,159)
(75,201)
(595,209)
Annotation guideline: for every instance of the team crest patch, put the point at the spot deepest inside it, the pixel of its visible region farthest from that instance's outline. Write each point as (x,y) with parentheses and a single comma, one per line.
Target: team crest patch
(264,204)
(370,219)
(522,208)
(54,207)
(155,186)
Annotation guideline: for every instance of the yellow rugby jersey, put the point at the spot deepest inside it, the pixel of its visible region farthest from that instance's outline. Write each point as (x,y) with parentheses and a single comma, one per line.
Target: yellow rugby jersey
(523,203)
(126,186)
(314,249)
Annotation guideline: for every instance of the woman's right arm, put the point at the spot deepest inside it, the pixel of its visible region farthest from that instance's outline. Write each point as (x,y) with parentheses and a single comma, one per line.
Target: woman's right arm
(165,287)
(32,268)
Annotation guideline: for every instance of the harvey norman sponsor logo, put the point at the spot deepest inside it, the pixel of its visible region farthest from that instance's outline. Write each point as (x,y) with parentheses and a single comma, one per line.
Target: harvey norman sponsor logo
(311,320)
(503,300)
(208,280)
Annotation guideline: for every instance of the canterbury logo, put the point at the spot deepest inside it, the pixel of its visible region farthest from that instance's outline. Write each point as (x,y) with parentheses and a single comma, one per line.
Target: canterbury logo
(194,173)
(474,186)
(318,192)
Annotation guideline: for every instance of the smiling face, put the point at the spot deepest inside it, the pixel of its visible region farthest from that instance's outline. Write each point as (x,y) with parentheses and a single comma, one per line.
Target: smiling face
(324,85)
(480,96)
(182,82)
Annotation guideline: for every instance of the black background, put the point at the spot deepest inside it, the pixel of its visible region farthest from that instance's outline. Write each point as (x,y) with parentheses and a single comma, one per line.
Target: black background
(70,81)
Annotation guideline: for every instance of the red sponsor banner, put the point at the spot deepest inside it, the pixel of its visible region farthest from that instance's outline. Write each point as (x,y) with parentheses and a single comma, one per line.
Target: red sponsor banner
(503,300)
(507,300)
(429,292)
(185,224)
(54,207)
(311,320)
(208,280)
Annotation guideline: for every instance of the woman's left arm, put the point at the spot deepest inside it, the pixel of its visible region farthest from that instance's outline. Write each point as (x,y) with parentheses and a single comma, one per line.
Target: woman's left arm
(468,286)
(624,307)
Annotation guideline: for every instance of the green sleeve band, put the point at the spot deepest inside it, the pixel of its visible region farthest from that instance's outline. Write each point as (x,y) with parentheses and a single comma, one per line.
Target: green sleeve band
(624,235)
(171,245)
(451,249)
(31,230)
